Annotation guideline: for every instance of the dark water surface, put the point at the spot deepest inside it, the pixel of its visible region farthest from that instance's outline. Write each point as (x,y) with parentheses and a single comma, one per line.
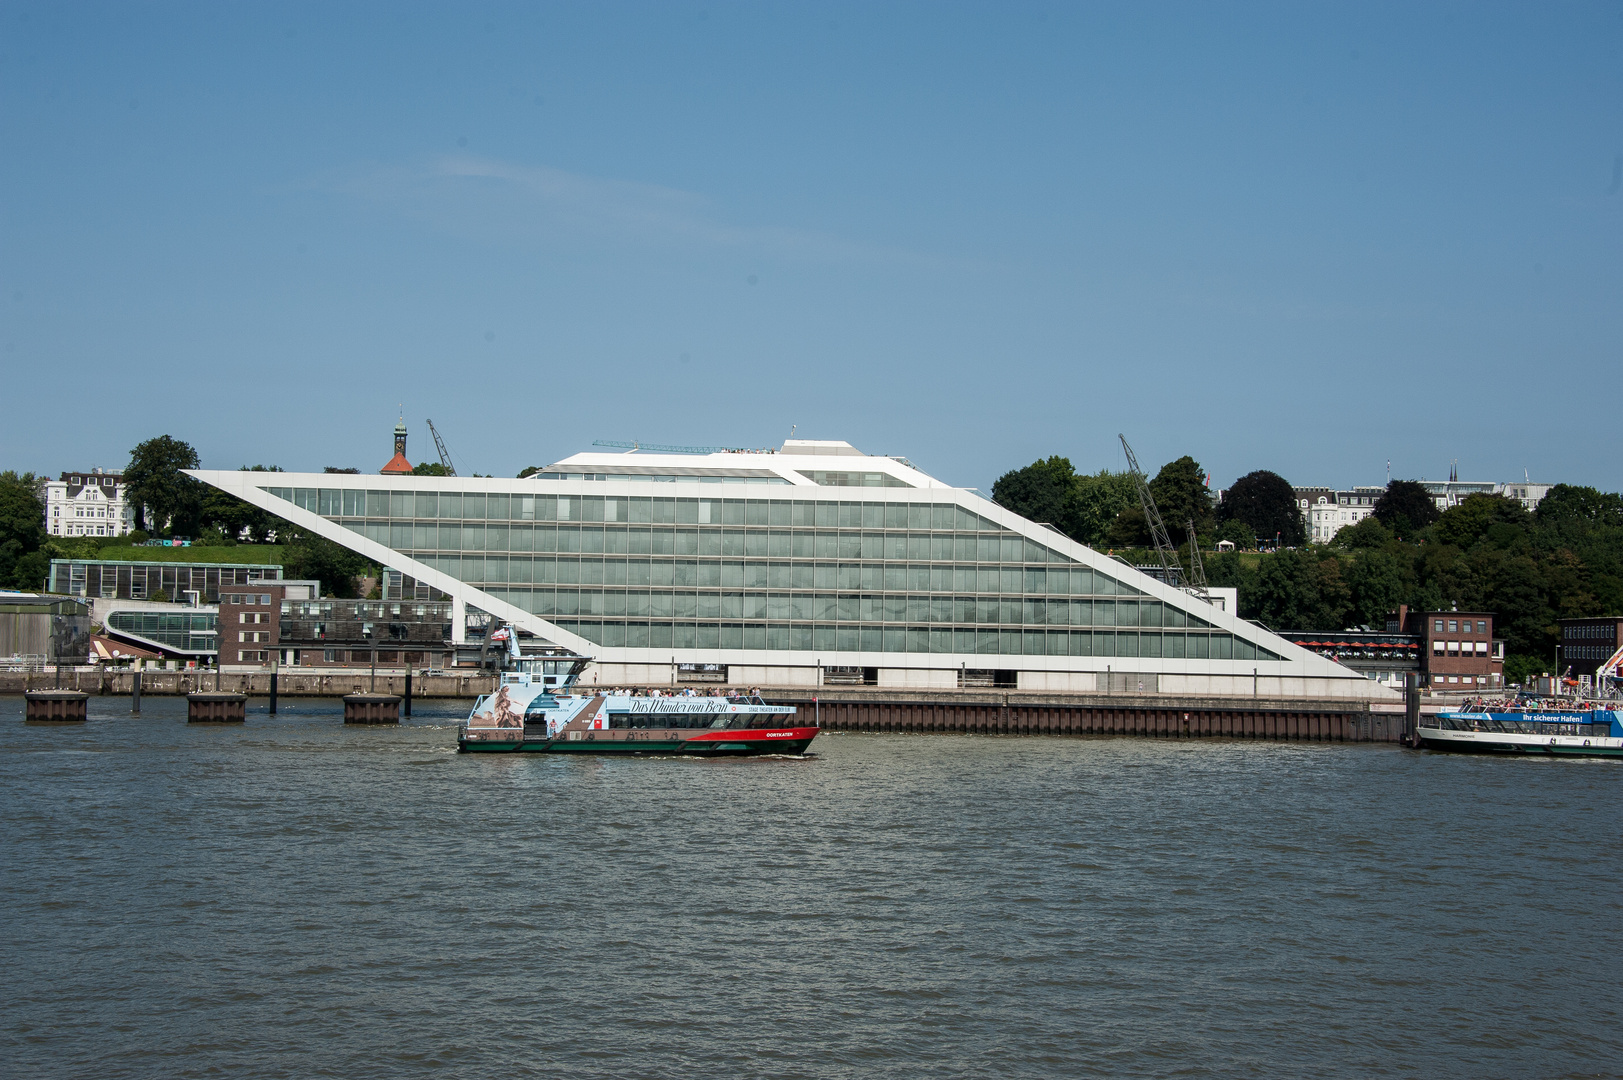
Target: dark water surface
(296,898)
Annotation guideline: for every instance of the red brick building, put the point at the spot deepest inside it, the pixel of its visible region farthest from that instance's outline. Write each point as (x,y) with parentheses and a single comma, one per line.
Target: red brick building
(250,621)
(1457,648)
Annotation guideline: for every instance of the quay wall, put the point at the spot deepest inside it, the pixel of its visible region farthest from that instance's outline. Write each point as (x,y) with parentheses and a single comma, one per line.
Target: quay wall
(856,709)
(1151,715)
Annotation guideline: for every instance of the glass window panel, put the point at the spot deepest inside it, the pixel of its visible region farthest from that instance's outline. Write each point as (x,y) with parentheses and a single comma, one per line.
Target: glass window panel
(1104,643)
(1172,645)
(496,537)
(568,571)
(377,504)
(615,541)
(1244,650)
(639,572)
(661,542)
(1222,646)
(521,537)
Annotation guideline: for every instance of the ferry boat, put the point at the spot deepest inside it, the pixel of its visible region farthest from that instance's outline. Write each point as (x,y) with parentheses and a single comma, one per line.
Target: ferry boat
(1530,729)
(535,711)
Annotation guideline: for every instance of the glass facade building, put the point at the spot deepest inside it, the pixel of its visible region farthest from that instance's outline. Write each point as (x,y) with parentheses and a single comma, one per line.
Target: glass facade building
(842,560)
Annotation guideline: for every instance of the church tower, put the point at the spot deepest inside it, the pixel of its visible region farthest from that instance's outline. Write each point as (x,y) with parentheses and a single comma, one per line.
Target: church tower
(398,465)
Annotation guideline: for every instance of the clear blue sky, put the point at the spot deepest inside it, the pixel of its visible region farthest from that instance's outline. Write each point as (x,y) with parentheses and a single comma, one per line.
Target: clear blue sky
(1305,237)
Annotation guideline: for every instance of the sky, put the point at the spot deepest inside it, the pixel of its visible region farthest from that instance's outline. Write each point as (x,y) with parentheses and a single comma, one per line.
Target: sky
(1312,238)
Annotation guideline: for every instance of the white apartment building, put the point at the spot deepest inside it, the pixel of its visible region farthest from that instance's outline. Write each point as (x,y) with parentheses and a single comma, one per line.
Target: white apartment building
(1326,511)
(1450,493)
(89,503)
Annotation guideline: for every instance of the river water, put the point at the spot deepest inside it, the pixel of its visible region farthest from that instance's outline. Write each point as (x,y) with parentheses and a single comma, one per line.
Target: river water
(292,897)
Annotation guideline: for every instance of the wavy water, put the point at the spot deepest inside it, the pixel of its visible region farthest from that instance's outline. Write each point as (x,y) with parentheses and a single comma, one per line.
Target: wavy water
(292,897)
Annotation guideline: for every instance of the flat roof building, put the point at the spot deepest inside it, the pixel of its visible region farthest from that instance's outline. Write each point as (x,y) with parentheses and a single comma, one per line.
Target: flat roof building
(112,579)
(786,565)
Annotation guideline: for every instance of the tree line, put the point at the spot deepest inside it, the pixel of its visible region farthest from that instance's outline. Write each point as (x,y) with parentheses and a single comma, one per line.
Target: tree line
(1529,569)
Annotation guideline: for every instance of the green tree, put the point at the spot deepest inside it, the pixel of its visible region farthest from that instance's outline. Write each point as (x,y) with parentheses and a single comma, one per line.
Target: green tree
(1368,534)
(1298,590)
(1484,519)
(157,485)
(528,471)
(429,468)
(1237,533)
(307,556)
(1265,501)
(1406,507)
(1100,499)
(1181,495)
(1042,491)
(22,529)
(346,472)
(1568,502)
(1377,582)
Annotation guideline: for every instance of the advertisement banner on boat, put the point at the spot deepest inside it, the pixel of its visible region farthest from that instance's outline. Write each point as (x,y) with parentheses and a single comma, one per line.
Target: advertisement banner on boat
(505,708)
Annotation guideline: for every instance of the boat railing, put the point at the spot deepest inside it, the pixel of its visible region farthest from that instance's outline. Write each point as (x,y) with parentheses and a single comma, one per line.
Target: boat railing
(1501,726)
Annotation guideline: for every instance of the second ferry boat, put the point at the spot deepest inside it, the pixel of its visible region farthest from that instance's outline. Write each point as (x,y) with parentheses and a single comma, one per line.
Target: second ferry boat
(534,711)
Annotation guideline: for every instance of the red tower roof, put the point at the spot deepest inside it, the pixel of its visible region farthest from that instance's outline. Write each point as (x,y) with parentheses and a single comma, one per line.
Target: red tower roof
(398,465)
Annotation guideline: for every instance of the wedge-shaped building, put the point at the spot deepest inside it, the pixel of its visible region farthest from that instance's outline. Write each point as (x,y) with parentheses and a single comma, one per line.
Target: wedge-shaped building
(813,564)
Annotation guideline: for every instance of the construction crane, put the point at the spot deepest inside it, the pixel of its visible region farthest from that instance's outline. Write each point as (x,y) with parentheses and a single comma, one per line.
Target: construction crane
(660,448)
(1197,569)
(445,455)
(1152,517)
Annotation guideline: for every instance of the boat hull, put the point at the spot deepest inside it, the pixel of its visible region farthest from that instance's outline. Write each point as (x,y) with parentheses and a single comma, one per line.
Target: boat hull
(749,743)
(1484,742)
